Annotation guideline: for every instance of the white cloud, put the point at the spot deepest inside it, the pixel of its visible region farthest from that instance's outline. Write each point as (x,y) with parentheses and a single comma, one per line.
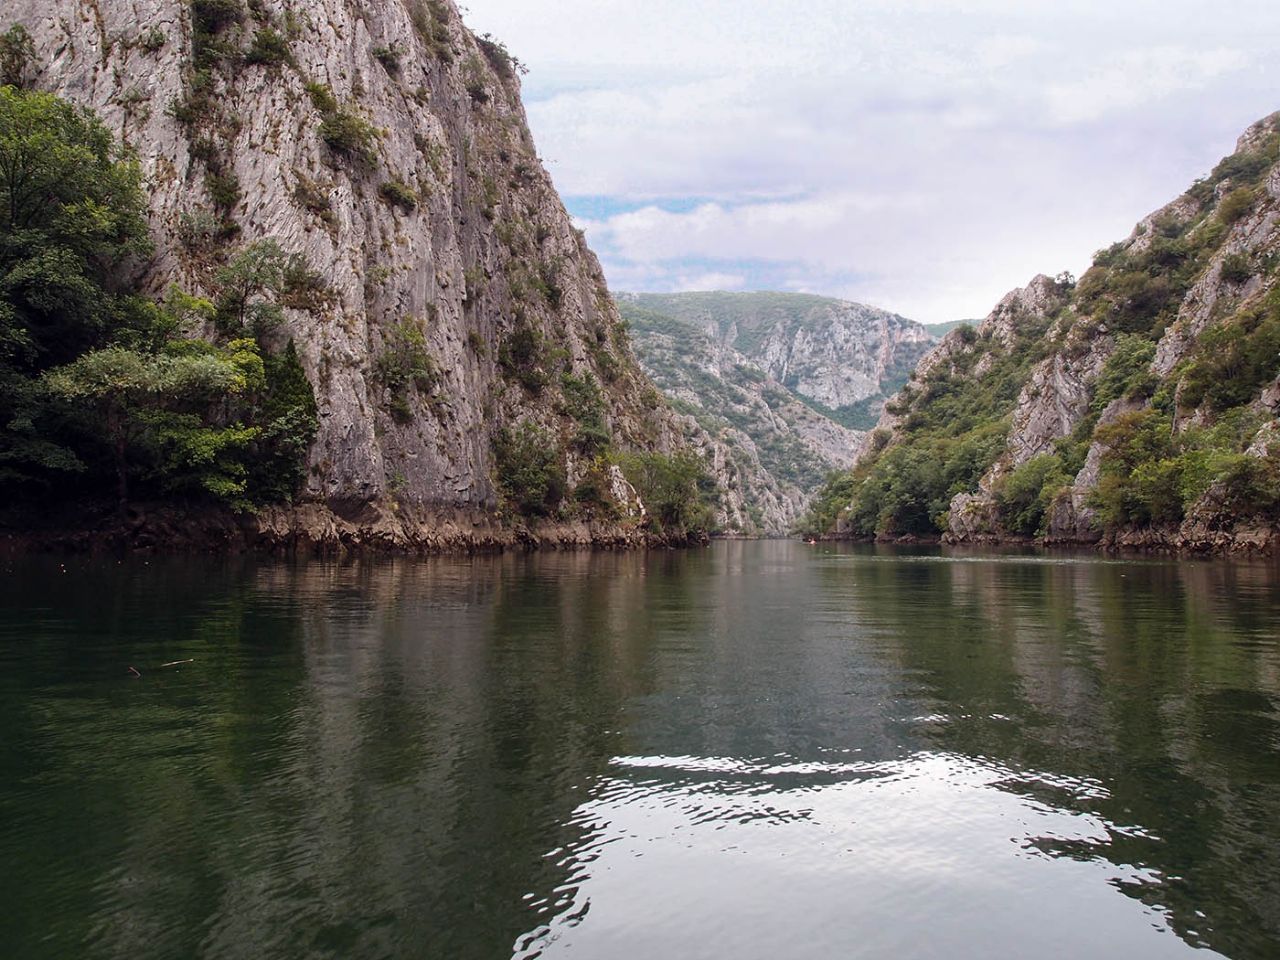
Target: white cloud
(927,155)
(1138,78)
(876,250)
(1005,50)
(711,281)
(811,229)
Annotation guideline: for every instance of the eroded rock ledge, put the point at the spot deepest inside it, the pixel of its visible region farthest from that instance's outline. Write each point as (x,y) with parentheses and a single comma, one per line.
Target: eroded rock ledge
(319,530)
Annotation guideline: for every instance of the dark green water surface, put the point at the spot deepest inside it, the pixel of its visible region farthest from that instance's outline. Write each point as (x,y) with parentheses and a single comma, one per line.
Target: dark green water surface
(761,750)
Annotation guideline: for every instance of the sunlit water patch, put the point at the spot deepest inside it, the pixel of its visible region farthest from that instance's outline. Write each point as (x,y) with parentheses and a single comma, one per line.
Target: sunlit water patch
(931,856)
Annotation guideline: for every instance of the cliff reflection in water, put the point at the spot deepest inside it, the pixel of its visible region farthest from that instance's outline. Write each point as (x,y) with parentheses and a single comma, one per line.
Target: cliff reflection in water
(761,749)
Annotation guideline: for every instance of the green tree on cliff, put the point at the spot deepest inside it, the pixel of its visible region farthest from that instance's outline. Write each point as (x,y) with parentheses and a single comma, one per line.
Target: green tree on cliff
(155,408)
(100,382)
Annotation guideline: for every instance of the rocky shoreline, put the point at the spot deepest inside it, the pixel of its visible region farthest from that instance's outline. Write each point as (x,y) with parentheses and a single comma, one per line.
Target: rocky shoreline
(313,529)
(1245,539)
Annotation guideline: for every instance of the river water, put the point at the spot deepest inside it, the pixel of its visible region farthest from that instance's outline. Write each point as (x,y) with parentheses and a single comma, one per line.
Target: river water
(758,750)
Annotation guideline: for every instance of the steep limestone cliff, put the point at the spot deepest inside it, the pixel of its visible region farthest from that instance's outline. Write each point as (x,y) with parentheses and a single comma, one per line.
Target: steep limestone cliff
(447,296)
(843,359)
(1135,407)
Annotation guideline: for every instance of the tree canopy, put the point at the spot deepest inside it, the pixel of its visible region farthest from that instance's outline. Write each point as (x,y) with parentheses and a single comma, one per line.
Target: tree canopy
(71,211)
(99,382)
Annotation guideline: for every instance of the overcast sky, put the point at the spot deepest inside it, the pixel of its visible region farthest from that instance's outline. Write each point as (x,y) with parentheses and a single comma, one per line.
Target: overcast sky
(921,156)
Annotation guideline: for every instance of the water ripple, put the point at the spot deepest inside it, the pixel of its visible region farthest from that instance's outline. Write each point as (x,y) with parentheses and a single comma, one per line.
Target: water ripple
(754,841)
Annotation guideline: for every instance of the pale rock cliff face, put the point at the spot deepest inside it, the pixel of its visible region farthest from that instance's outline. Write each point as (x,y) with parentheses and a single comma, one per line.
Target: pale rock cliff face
(843,357)
(486,249)
(718,357)
(1051,404)
(1037,299)
(755,503)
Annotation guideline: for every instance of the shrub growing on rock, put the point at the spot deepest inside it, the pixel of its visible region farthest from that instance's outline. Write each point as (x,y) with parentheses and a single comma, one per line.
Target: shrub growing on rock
(17,54)
(530,470)
(405,362)
(1236,268)
(347,133)
(398,195)
(269,48)
(1026,493)
(389,57)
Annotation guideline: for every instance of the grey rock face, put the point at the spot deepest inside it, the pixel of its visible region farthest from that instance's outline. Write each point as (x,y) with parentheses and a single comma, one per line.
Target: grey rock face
(972,516)
(833,353)
(486,248)
(846,358)
(1054,401)
(719,357)
(1037,299)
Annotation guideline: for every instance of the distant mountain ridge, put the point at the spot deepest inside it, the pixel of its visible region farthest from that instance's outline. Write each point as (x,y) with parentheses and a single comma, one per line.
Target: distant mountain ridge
(844,359)
(784,382)
(940,330)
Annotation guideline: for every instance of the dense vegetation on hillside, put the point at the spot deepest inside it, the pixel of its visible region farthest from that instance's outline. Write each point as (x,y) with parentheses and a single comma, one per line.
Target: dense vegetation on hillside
(954,428)
(1181,438)
(679,494)
(106,393)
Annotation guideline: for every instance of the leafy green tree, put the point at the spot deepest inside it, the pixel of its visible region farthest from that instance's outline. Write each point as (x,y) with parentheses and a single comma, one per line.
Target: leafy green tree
(99,381)
(1140,477)
(248,287)
(676,490)
(906,493)
(584,404)
(1126,372)
(823,515)
(530,470)
(287,414)
(1026,493)
(71,211)
(160,409)
(1233,359)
